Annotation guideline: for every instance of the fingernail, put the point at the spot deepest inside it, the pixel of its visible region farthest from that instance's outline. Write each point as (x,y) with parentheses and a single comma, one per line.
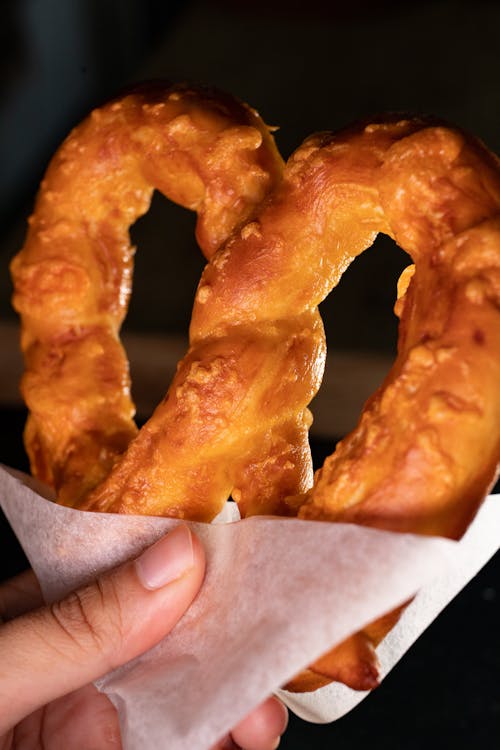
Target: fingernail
(167,560)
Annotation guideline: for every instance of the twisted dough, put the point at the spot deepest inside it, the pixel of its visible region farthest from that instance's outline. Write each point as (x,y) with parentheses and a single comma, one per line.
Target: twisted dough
(235,418)
(72,278)
(427,446)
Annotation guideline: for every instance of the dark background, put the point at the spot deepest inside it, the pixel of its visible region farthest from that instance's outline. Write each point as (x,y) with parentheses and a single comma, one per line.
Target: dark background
(305,66)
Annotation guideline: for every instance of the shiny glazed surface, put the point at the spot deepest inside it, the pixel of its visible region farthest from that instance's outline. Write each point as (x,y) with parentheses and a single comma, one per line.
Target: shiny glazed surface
(235,419)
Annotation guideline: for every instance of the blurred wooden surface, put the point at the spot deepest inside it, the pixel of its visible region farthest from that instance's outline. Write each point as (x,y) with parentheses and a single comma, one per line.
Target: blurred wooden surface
(350,377)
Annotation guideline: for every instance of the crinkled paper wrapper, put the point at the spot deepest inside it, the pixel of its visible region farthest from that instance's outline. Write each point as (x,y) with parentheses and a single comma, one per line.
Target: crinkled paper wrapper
(278,593)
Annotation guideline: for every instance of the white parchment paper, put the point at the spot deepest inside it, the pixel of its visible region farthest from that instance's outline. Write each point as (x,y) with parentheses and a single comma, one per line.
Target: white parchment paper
(278,593)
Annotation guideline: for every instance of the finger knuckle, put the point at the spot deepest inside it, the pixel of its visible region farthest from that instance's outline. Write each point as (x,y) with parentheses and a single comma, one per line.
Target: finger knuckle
(91,617)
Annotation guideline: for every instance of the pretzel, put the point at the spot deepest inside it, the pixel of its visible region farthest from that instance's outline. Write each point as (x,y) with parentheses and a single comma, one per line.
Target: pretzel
(202,149)
(235,418)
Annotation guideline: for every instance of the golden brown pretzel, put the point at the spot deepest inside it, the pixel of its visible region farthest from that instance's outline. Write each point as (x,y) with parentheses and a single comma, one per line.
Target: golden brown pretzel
(235,418)
(202,149)
(427,446)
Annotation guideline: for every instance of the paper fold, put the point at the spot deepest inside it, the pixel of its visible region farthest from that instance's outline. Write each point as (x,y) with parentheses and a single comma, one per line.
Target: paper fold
(278,593)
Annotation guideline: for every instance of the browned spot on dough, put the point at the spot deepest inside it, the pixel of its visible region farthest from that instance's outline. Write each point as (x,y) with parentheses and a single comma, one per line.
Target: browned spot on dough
(478,336)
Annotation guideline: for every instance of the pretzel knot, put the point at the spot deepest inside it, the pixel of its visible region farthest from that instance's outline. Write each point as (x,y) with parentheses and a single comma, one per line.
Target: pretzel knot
(235,419)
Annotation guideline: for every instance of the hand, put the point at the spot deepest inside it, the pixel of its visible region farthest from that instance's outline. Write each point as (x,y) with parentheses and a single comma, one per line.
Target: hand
(51,655)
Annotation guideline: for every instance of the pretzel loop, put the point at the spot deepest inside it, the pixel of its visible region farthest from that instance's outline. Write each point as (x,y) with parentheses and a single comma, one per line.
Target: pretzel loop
(427,446)
(72,279)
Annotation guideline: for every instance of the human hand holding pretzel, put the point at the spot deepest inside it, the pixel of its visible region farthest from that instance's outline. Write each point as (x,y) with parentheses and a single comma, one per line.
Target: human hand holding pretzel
(278,238)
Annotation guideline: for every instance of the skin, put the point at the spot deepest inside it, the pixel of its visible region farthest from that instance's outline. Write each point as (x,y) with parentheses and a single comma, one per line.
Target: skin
(51,654)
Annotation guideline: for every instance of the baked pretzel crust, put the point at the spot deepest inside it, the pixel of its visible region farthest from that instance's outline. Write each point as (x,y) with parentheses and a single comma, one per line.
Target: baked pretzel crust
(203,150)
(235,418)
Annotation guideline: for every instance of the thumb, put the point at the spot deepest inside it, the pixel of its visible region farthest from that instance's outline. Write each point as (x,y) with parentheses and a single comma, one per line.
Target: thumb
(59,648)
